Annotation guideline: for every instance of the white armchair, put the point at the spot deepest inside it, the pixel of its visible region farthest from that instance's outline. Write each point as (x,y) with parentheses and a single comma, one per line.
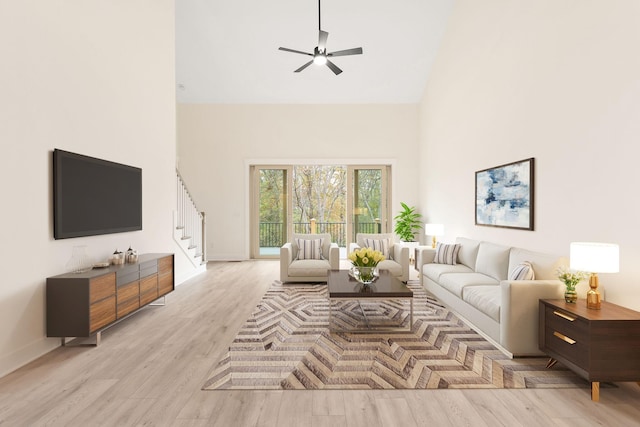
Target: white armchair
(308,264)
(397,261)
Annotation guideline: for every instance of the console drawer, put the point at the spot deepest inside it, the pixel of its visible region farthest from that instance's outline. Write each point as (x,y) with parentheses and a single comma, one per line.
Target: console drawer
(165,264)
(165,284)
(128,277)
(567,324)
(102,313)
(149,284)
(128,298)
(102,287)
(568,347)
(148,289)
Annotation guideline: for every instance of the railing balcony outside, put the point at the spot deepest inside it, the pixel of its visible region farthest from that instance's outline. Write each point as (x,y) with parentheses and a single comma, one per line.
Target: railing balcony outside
(272,233)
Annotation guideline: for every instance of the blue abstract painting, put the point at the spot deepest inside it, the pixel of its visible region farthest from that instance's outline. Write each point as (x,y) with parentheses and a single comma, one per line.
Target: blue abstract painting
(504,195)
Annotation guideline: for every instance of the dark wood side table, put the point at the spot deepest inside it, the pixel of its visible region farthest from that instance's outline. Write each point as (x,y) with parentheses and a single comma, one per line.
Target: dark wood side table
(598,345)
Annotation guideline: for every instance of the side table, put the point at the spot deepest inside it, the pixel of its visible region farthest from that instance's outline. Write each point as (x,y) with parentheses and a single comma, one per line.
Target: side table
(598,345)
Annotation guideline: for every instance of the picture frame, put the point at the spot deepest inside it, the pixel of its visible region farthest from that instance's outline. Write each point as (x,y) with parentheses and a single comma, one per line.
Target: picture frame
(505,196)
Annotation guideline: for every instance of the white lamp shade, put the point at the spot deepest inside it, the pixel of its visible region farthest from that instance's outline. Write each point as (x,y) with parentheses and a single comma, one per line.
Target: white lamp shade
(594,257)
(434,229)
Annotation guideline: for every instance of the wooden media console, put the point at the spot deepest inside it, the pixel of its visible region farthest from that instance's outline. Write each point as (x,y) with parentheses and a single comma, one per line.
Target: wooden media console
(84,304)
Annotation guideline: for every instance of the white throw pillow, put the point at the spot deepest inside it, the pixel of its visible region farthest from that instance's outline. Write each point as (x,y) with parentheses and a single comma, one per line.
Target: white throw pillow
(381,245)
(446,254)
(309,248)
(523,271)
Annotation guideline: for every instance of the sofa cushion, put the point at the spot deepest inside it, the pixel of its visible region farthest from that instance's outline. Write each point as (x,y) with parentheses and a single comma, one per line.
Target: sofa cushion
(360,240)
(381,245)
(493,260)
(446,254)
(394,268)
(434,271)
(484,298)
(309,248)
(309,267)
(522,271)
(468,251)
(326,243)
(544,265)
(457,282)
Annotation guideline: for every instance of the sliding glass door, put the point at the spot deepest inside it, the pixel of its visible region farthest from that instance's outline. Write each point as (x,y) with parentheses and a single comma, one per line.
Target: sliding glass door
(335,199)
(369,207)
(319,200)
(270,210)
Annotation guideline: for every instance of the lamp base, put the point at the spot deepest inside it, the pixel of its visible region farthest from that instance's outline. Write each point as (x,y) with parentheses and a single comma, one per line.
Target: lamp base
(593,296)
(433,242)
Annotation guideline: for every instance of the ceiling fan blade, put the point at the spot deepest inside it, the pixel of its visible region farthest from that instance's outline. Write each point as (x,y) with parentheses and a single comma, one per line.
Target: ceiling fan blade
(294,51)
(354,51)
(333,67)
(304,66)
(322,41)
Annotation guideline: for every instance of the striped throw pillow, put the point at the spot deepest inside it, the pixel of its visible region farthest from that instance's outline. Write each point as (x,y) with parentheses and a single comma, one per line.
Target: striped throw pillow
(523,271)
(309,248)
(381,245)
(446,254)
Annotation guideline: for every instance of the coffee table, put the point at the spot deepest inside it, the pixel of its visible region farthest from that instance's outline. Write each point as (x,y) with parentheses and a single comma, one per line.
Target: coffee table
(386,287)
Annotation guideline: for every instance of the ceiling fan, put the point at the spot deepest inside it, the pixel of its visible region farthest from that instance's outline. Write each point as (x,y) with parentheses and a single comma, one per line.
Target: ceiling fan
(320,55)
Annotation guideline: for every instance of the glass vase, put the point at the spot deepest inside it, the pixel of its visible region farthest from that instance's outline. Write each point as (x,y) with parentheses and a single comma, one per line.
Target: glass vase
(570,295)
(80,261)
(365,275)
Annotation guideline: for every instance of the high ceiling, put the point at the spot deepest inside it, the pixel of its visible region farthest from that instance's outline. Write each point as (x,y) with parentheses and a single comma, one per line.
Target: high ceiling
(227,51)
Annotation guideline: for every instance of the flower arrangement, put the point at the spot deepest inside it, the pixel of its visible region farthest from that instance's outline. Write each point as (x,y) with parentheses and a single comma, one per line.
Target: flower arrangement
(364,262)
(571,278)
(365,257)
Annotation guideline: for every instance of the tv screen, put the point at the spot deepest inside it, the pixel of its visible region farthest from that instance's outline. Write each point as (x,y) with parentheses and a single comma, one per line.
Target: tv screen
(93,196)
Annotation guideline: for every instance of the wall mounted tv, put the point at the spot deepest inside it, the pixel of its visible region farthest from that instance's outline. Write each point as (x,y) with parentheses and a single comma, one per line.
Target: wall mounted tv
(93,196)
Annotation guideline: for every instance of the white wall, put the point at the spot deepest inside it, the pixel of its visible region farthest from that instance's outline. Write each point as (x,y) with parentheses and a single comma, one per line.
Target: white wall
(554,80)
(93,77)
(215,141)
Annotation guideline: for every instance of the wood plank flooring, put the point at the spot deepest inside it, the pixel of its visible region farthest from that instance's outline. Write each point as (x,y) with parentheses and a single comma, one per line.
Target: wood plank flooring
(149,369)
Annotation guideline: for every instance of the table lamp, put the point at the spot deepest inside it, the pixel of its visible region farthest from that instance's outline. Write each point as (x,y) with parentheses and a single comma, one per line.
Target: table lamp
(595,258)
(435,230)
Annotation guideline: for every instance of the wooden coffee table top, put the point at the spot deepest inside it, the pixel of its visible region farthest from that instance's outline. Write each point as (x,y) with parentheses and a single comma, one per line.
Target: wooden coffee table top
(342,285)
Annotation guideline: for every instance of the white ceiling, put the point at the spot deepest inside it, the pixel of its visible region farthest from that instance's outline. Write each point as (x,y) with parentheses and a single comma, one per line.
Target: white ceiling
(227,50)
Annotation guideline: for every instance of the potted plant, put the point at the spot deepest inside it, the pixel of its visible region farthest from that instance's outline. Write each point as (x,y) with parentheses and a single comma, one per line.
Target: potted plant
(570,279)
(407,223)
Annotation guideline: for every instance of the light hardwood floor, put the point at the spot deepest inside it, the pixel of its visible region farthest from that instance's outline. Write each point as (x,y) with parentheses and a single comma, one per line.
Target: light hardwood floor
(149,369)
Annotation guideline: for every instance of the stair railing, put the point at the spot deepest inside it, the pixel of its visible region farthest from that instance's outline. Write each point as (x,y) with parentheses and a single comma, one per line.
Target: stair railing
(191,221)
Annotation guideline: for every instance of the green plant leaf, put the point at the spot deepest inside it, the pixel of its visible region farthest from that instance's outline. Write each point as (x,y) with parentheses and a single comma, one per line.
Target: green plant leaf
(407,223)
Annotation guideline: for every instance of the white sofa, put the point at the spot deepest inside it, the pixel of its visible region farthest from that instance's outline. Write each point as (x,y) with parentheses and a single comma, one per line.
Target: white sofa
(398,261)
(477,289)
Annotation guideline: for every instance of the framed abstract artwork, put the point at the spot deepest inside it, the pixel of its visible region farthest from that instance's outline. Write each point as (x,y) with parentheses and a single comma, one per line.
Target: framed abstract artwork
(504,195)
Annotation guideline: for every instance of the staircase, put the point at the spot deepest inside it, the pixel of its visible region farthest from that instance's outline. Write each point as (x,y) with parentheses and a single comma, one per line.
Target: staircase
(189,225)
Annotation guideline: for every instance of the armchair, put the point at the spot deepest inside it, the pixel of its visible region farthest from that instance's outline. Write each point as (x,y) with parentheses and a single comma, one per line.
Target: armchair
(397,260)
(311,264)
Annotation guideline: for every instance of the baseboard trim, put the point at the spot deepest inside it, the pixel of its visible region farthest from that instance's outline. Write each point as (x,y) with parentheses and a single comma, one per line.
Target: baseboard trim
(191,274)
(27,354)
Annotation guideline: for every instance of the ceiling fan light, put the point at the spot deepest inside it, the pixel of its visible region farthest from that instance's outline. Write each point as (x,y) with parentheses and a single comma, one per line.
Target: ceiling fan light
(320,60)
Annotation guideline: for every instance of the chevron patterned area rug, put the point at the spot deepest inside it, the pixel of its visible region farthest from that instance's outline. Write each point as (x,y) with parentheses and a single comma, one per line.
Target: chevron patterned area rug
(287,344)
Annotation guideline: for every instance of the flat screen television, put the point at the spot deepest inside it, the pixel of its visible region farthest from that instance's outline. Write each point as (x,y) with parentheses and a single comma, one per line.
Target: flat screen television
(93,196)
